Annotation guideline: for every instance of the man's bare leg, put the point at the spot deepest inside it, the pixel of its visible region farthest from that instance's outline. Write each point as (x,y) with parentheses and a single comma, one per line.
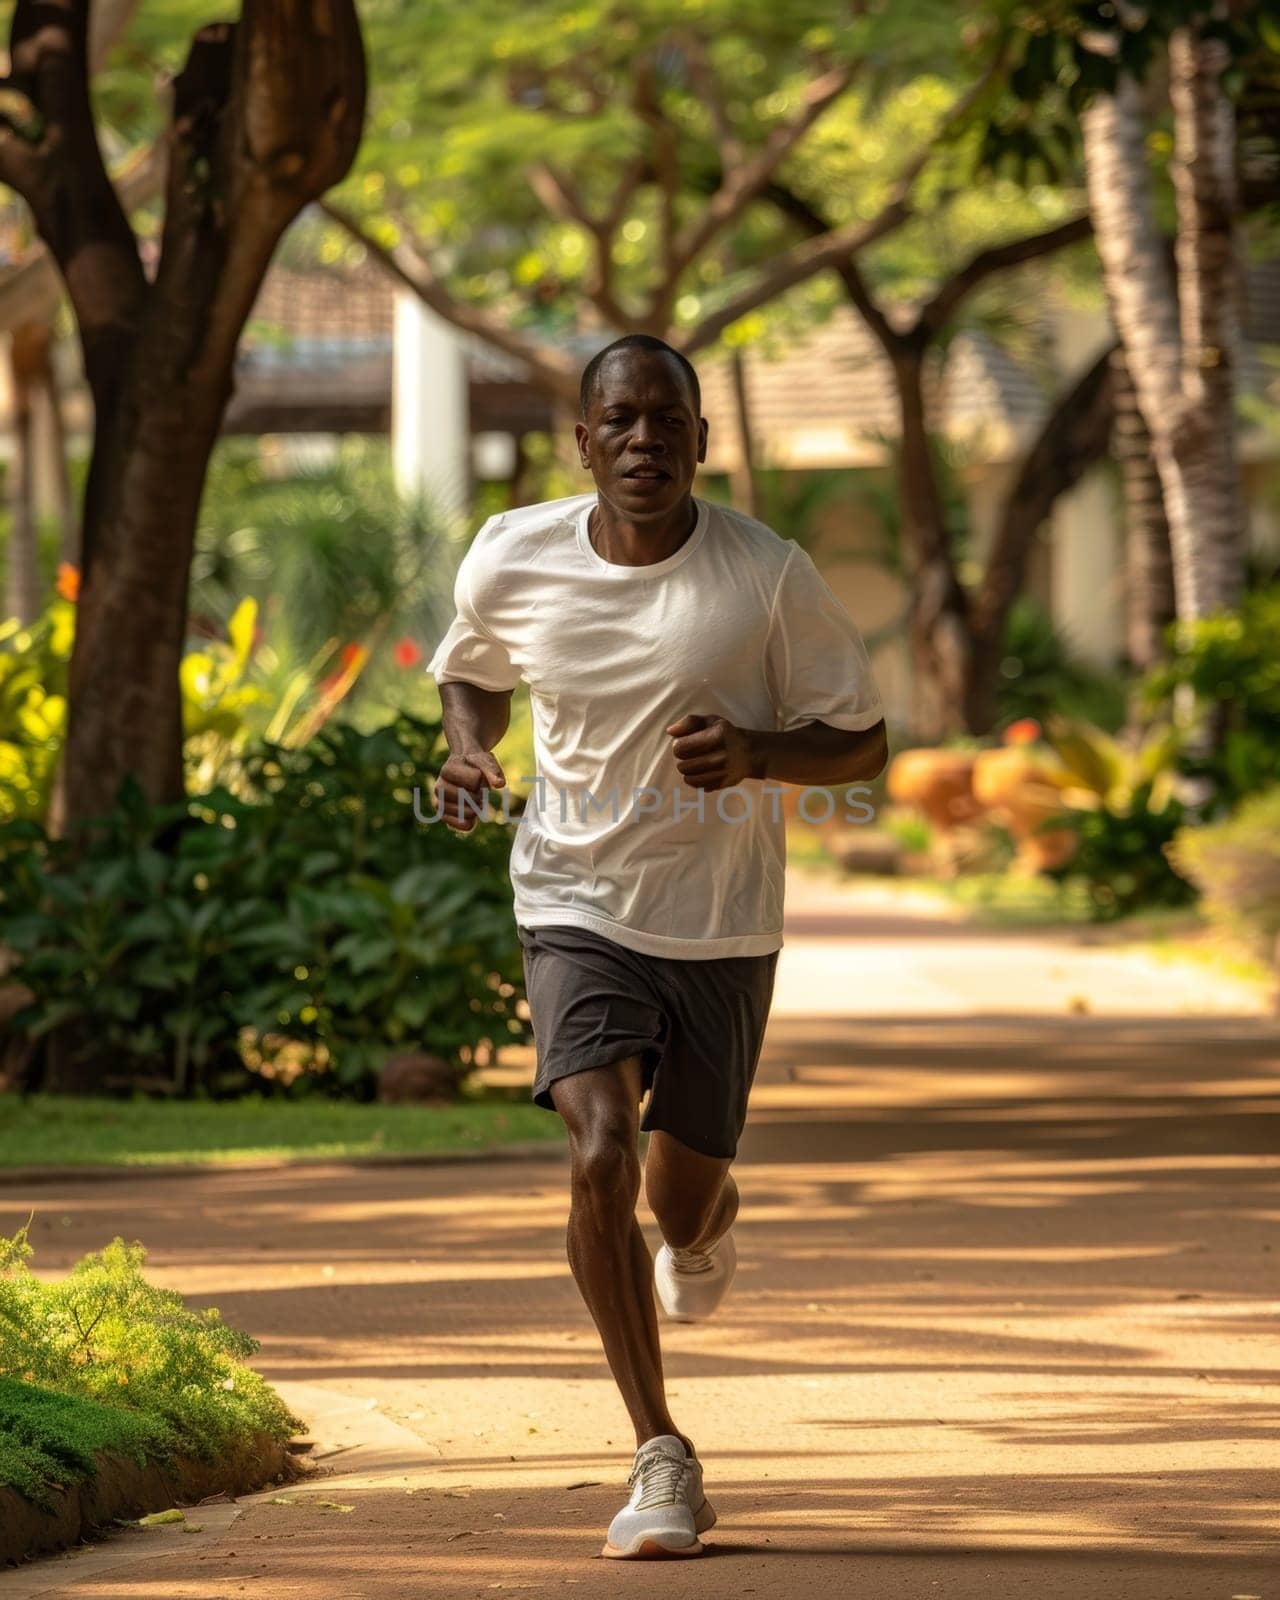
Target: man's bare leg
(693,1197)
(607,1252)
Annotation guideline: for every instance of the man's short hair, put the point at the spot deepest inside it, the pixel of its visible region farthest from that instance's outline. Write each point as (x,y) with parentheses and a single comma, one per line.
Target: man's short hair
(635,341)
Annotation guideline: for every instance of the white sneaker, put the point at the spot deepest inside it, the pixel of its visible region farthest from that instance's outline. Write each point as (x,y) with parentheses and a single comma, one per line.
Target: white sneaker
(692,1283)
(667,1509)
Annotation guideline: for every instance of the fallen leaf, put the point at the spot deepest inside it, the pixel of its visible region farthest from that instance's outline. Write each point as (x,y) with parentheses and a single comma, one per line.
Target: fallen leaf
(332,1505)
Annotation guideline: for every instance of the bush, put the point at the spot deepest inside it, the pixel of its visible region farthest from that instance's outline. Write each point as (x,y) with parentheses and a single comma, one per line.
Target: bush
(33,708)
(1041,676)
(1230,665)
(105,1334)
(1124,810)
(1236,866)
(48,1438)
(291,939)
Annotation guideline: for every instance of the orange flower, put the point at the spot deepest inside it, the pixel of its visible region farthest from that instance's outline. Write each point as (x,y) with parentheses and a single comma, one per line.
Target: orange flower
(407,653)
(1026,731)
(352,659)
(68,584)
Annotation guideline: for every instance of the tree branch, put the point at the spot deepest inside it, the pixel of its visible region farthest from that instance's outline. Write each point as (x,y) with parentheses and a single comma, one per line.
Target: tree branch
(562,200)
(410,266)
(808,217)
(1075,434)
(942,306)
(743,184)
(65,182)
(793,266)
(708,85)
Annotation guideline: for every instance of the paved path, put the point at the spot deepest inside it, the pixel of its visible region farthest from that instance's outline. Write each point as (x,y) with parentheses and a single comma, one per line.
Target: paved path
(1005,1321)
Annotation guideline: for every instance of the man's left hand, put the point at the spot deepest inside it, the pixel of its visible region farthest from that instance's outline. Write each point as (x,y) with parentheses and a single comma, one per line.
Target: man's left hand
(710,752)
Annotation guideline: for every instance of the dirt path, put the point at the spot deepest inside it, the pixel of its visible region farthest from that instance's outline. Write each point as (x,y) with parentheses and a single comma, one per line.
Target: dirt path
(1005,1322)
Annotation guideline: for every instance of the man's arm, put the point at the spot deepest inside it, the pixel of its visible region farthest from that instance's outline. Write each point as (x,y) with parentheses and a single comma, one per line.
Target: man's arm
(711,753)
(474,721)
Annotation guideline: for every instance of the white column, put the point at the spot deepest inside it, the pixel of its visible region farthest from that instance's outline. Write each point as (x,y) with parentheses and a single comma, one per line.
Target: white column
(430,424)
(1087,570)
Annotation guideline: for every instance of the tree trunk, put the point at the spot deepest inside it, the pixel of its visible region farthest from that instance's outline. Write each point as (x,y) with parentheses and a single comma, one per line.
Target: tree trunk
(939,615)
(23,586)
(266,116)
(744,486)
(1072,438)
(1149,601)
(1182,377)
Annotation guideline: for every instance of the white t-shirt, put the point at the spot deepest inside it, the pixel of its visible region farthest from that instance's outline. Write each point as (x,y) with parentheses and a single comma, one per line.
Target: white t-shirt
(737,623)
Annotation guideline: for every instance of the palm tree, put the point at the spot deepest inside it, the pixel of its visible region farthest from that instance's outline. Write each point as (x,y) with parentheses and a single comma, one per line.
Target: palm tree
(1179,328)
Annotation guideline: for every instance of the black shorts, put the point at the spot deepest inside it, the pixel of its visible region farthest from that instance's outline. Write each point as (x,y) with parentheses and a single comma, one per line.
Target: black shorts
(697,1027)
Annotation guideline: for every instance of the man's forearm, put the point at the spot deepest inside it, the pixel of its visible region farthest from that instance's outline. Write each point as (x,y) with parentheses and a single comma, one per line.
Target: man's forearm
(474,718)
(818,754)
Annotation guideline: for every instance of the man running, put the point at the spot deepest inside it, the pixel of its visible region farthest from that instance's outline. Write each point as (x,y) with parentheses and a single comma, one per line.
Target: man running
(684,663)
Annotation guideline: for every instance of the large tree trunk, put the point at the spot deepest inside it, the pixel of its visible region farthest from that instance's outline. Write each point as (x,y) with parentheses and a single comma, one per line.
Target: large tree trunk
(1182,375)
(1149,599)
(22,577)
(266,116)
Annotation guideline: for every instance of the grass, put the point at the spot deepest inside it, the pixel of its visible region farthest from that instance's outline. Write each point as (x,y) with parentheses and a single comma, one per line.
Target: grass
(48,1438)
(52,1130)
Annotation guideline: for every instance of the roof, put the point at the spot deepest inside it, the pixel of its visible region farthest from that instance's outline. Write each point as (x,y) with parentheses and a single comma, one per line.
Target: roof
(827,400)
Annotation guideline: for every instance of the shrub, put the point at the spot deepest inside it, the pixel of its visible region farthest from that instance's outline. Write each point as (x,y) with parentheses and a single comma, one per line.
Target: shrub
(1124,810)
(103,1333)
(33,708)
(1042,676)
(1230,665)
(295,937)
(1236,866)
(48,1438)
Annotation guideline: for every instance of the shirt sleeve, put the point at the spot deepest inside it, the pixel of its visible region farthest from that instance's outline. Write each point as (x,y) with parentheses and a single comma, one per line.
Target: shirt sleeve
(817,665)
(469,652)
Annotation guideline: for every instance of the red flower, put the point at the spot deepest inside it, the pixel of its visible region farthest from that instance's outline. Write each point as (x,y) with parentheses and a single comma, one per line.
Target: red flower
(68,584)
(407,653)
(1026,731)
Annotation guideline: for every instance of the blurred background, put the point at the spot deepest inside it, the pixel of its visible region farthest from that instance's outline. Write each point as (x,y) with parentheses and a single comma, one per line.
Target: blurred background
(985,302)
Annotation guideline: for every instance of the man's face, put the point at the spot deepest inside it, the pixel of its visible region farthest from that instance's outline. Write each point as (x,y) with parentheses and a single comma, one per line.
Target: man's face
(642,440)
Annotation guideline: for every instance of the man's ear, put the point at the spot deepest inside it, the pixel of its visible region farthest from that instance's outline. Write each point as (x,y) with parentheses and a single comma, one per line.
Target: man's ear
(702,438)
(582,434)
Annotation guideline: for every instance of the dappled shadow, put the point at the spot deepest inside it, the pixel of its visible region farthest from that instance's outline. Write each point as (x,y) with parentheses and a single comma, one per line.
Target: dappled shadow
(1060,1536)
(1043,1247)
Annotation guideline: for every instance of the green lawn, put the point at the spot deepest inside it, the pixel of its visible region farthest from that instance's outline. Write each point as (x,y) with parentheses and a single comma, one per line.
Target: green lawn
(53,1131)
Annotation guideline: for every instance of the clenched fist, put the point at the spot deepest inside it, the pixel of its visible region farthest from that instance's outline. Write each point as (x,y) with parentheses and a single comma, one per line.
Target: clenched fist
(470,775)
(710,752)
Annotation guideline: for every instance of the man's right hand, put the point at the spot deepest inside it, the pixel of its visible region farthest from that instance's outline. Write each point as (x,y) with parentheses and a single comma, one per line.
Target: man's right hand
(468,775)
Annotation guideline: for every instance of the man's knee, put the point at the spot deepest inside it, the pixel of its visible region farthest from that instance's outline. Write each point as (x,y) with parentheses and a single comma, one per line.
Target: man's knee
(604,1163)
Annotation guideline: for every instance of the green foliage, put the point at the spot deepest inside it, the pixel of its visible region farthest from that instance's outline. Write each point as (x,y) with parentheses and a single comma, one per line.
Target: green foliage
(330,555)
(1063,53)
(103,1333)
(1235,864)
(1230,666)
(1040,675)
(33,708)
(294,937)
(48,1438)
(1124,810)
